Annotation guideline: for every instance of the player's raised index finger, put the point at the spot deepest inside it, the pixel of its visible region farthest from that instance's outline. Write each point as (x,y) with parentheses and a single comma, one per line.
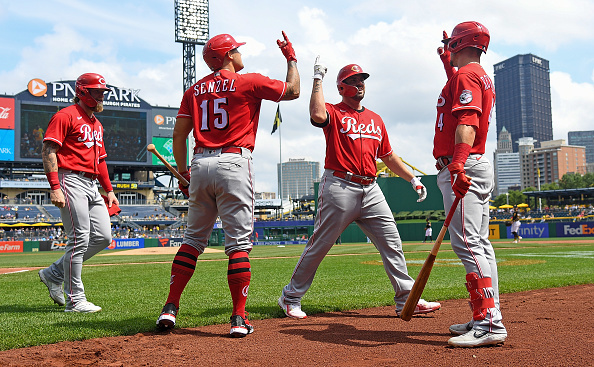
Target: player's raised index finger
(285,36)
(317,59)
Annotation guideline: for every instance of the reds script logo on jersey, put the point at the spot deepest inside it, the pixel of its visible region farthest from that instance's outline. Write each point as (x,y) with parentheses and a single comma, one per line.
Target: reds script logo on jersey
(90,137)
(354,131)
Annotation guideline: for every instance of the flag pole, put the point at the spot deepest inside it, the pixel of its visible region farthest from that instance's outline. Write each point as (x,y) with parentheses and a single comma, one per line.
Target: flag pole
(280,157)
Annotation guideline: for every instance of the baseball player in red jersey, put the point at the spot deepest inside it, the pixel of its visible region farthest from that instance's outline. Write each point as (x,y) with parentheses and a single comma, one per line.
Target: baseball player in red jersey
(223,109)
(464,111)
(73,158)
(355,138)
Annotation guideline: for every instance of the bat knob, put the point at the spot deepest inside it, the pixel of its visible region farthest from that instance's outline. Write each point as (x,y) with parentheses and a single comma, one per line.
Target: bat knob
(150,147)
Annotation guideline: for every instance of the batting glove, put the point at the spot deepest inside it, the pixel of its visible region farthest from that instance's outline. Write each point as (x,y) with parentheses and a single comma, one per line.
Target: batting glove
(287,48)
(319,69)
(185,189)
(419,188)
(460,182)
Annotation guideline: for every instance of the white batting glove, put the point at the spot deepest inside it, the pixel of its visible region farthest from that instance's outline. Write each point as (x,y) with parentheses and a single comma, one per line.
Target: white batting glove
(319,69)
(419,188)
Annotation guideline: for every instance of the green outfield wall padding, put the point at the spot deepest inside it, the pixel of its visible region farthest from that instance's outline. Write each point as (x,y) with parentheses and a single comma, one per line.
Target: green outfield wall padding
(151,242)
(30,246)
(407,231)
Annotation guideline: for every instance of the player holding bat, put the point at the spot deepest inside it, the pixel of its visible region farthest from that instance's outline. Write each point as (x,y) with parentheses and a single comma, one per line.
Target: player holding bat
(464,111)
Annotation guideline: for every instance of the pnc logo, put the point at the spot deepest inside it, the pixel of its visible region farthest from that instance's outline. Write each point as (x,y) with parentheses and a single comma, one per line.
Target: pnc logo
(159,120)
(37,87)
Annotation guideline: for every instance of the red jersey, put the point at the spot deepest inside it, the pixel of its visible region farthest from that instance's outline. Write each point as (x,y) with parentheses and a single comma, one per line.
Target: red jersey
(80,139)
(225,107)
(468,89)
(354,140)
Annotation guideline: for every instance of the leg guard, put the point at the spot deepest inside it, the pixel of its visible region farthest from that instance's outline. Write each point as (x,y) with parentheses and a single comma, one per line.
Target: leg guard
(481,295)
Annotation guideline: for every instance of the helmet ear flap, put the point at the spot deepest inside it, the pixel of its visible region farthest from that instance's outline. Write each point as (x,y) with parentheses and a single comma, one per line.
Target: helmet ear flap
(347,90)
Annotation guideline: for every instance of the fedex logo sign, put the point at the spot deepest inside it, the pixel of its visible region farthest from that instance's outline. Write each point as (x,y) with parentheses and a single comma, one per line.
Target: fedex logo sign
(585,229)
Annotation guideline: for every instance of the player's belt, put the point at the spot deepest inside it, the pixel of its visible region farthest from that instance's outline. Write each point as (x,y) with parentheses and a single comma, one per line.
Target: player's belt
(363,180)
(234,150)
(88,175)
(442,162)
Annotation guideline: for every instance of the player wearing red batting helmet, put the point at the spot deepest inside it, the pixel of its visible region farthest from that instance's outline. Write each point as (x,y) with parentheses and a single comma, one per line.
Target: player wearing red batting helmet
(73,158)
(222,109)
(464,110)
(355,138)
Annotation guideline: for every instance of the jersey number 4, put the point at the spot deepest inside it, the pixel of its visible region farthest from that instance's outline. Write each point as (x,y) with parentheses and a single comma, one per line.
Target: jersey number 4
(218,115)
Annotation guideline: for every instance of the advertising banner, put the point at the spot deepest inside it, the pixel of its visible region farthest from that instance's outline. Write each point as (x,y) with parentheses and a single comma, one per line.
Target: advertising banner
(494,232)
(165,147)
(6,145)
(11,246)
(52,245)
(126,243)
(170,242)
(7,113)
(531,230)
(163,121)
(576,229)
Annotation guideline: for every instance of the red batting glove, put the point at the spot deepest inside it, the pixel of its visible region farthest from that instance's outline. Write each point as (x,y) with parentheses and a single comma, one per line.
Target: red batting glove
(287,48)
(444,55)
(460,182)
(185,189)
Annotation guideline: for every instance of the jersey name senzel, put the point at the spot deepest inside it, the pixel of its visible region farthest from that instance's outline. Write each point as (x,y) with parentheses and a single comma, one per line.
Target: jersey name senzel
(227,85)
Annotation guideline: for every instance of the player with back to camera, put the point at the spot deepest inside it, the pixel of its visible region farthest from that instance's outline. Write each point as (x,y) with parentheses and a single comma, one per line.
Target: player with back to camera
(464,110)
(355,138)
(223,110)
(73,158)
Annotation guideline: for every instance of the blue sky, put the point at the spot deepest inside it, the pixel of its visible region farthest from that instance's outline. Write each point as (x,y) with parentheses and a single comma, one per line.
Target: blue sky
(132,44)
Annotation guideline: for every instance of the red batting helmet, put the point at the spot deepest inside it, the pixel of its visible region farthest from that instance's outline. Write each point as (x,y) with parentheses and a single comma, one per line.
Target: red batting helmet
(348,71)
(216,48)
(89,81)
(468,34)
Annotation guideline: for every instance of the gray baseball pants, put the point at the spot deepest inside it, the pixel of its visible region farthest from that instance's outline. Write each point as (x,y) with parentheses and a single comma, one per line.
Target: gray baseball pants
(222,184)
(341,202)
(87,224)
(469,230)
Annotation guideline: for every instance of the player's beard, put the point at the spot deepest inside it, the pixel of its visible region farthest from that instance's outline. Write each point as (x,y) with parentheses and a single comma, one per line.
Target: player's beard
(359,96)
(99,107)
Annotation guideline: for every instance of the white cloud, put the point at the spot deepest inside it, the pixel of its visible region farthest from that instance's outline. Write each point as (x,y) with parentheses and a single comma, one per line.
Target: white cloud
(571,104)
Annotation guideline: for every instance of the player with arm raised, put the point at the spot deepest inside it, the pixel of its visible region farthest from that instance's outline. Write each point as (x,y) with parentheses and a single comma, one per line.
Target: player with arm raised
(464,111)
(223,109)
(355,138)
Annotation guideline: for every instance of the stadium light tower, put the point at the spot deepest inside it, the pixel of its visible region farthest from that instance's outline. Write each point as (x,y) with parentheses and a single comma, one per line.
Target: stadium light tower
(191,29)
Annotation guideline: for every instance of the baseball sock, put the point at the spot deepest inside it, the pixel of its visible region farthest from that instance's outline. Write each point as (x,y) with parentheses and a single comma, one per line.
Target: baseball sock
(239,275)
(182,270)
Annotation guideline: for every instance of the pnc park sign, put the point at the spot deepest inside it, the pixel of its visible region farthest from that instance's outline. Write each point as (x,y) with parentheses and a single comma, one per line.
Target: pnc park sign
(64,91)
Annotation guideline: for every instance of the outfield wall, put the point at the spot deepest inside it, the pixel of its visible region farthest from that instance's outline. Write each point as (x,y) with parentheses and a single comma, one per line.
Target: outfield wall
(408,232)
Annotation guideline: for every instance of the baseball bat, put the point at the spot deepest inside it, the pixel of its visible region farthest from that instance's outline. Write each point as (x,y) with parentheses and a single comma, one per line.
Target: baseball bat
(421,281)
(151,148)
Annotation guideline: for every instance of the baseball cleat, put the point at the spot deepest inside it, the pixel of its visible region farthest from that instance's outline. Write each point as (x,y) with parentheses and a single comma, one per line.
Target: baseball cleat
(460,329)
(293,311)
(166,320)
(477,338)
(240,327)
(83,307)
(55,290)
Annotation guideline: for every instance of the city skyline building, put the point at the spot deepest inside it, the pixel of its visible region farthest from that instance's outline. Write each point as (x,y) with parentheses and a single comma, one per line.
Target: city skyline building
(506,164)
(523,98)
(552,160)
(296,178)
(584,139)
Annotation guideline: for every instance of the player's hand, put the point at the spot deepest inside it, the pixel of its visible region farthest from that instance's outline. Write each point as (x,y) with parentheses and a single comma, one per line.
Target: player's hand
(57,198)
(112,199)
(442,51)
(419,188)
(320,69)
(185,189)
(460,182)
(287,48)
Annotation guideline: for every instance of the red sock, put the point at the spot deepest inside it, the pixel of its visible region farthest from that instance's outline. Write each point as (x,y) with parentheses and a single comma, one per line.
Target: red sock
(182,270)
(239,275)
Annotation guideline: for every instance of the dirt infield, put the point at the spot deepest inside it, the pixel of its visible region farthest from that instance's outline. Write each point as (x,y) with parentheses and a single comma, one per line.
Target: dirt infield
(546,328)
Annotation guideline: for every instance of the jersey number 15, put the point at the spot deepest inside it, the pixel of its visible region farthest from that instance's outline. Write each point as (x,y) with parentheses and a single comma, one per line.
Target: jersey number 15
(218,115)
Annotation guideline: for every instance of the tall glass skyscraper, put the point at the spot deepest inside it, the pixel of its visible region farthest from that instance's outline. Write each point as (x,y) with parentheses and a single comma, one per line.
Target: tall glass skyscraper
(523,103)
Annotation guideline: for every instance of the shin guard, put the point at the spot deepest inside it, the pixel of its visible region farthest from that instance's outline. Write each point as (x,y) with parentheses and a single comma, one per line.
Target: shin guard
(481,295)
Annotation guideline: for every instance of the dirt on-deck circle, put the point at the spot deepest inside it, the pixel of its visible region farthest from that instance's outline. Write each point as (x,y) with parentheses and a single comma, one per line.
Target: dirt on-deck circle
(545,328)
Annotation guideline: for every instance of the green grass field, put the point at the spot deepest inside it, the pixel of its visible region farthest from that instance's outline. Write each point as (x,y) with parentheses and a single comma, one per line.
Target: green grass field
(132,295)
